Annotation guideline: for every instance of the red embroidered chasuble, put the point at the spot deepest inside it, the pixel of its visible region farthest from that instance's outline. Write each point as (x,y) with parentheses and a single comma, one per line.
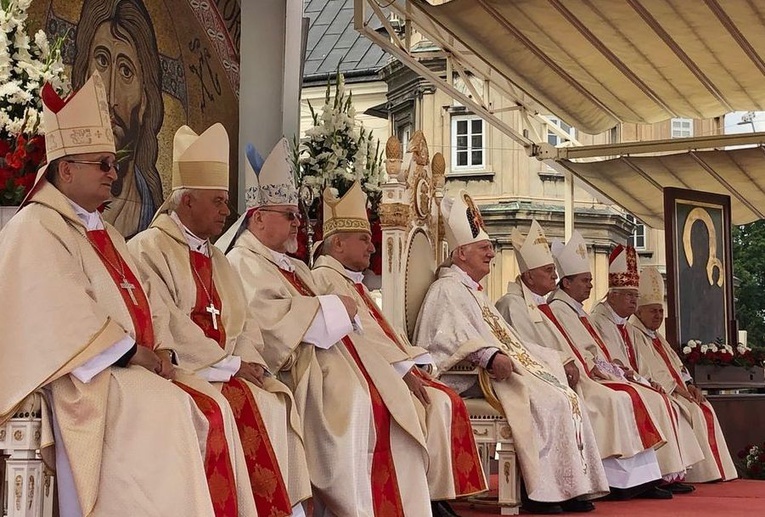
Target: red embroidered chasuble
(386,499)
(649,433)
(709,417)
(220,474)
(268,487)
(465,461)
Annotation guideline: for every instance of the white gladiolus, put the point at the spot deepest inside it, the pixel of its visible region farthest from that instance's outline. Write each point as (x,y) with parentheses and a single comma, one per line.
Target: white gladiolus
(713,347)
(686,350)
(704,349)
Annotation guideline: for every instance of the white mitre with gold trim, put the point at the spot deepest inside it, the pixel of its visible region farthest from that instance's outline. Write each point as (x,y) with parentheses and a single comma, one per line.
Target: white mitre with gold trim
(347,214)
(463,223)
(275,181)
(572,258)
(651,290)
(531,251)
(79,124)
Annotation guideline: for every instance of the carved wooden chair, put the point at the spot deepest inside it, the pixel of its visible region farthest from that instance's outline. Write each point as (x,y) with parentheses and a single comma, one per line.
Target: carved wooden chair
(26,485)
(413,246)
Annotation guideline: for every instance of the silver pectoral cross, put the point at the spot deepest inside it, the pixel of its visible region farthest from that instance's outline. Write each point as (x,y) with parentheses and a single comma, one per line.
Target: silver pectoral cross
(129,287)
(213,314)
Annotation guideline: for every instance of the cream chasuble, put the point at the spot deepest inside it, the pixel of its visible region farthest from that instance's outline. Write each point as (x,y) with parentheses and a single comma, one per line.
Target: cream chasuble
(350,407)
(135,442)
(556,447)
(454,469)
(666,368)
(610,412)
(682,451)
(267,419)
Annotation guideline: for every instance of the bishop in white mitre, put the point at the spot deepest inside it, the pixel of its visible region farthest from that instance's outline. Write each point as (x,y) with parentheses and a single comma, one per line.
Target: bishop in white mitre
(363,438)
(454,469)
(661,363)
(555,444)
(610,317)
(215,333)
(627,448)
(127,441)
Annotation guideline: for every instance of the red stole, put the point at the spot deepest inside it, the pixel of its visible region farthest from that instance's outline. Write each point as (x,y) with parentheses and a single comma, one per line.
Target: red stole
(649,433)
(200,314)
(594,333)
(268,487)
(709,417)
(628,345)
(466,474)
(217,459)
(386,499)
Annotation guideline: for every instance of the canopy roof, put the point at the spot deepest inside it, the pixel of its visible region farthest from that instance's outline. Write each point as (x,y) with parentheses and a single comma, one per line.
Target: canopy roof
(595,63)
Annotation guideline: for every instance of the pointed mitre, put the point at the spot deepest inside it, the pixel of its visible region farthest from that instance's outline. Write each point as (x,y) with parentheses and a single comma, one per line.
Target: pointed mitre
(623,268)
(274,182)
(200,161)
(531,251)
(651,289)
(347,214)
(463,223)
(79,124)
(571,259)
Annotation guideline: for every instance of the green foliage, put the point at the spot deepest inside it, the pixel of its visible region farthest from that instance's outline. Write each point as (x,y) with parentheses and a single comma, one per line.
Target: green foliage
(749,269)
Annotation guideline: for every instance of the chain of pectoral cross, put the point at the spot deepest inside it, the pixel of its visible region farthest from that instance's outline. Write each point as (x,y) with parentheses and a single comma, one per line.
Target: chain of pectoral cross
(214,311)
(125,284)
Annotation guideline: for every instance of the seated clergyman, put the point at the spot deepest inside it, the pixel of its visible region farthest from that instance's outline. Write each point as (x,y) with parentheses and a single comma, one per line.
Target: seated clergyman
(550,427)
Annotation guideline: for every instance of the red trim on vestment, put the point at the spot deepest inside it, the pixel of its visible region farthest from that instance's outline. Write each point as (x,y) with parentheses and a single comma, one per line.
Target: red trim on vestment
(203,279)
(386,498)
(595,336)
(220,475)
(466,465)
(631,357)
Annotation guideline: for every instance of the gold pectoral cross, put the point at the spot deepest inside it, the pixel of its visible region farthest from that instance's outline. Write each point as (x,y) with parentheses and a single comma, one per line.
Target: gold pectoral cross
(129,287)
(213,314)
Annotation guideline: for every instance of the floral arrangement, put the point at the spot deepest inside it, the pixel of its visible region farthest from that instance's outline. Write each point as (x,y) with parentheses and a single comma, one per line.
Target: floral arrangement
(25,66)
(722,354)
(753,461)
(335,152)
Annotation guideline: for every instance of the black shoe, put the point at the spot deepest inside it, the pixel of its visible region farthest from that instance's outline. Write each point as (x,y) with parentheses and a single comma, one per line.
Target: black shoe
(655,493)
(577,506)
(443,509)
(541,508)
(679,488)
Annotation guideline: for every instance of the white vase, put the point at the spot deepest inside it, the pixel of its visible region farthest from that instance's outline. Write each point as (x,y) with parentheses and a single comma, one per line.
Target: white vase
(6,212)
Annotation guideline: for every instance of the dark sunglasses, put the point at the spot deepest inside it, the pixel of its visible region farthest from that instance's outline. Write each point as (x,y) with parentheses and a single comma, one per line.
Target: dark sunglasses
(291,216)
(105,165)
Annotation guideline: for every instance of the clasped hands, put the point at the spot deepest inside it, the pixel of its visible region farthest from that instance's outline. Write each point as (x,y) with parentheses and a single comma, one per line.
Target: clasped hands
(159,361)
(502,368)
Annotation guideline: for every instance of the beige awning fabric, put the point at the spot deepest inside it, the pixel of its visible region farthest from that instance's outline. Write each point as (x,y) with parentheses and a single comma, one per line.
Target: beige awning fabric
(595,63)
(636,182)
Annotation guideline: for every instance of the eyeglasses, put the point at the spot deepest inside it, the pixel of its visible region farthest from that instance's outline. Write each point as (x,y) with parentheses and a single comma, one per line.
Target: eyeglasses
(105,165)
(291,216)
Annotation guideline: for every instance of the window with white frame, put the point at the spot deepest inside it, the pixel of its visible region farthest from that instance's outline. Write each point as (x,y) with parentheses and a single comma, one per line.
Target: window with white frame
(468,142)
(682,128)
(553,138)
(404,133)
(637,239)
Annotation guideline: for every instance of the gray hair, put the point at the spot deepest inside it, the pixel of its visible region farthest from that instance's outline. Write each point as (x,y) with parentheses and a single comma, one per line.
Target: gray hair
(176,196)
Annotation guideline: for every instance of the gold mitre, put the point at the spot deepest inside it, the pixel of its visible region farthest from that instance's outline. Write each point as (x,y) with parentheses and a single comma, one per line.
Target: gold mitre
(651,290)
(571,259)
(200,161)
(531,251)
(347,214)
(463,223)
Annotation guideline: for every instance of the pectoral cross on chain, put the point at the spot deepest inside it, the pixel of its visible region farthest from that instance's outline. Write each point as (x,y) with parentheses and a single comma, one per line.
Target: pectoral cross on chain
(129,287)
(213,314)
